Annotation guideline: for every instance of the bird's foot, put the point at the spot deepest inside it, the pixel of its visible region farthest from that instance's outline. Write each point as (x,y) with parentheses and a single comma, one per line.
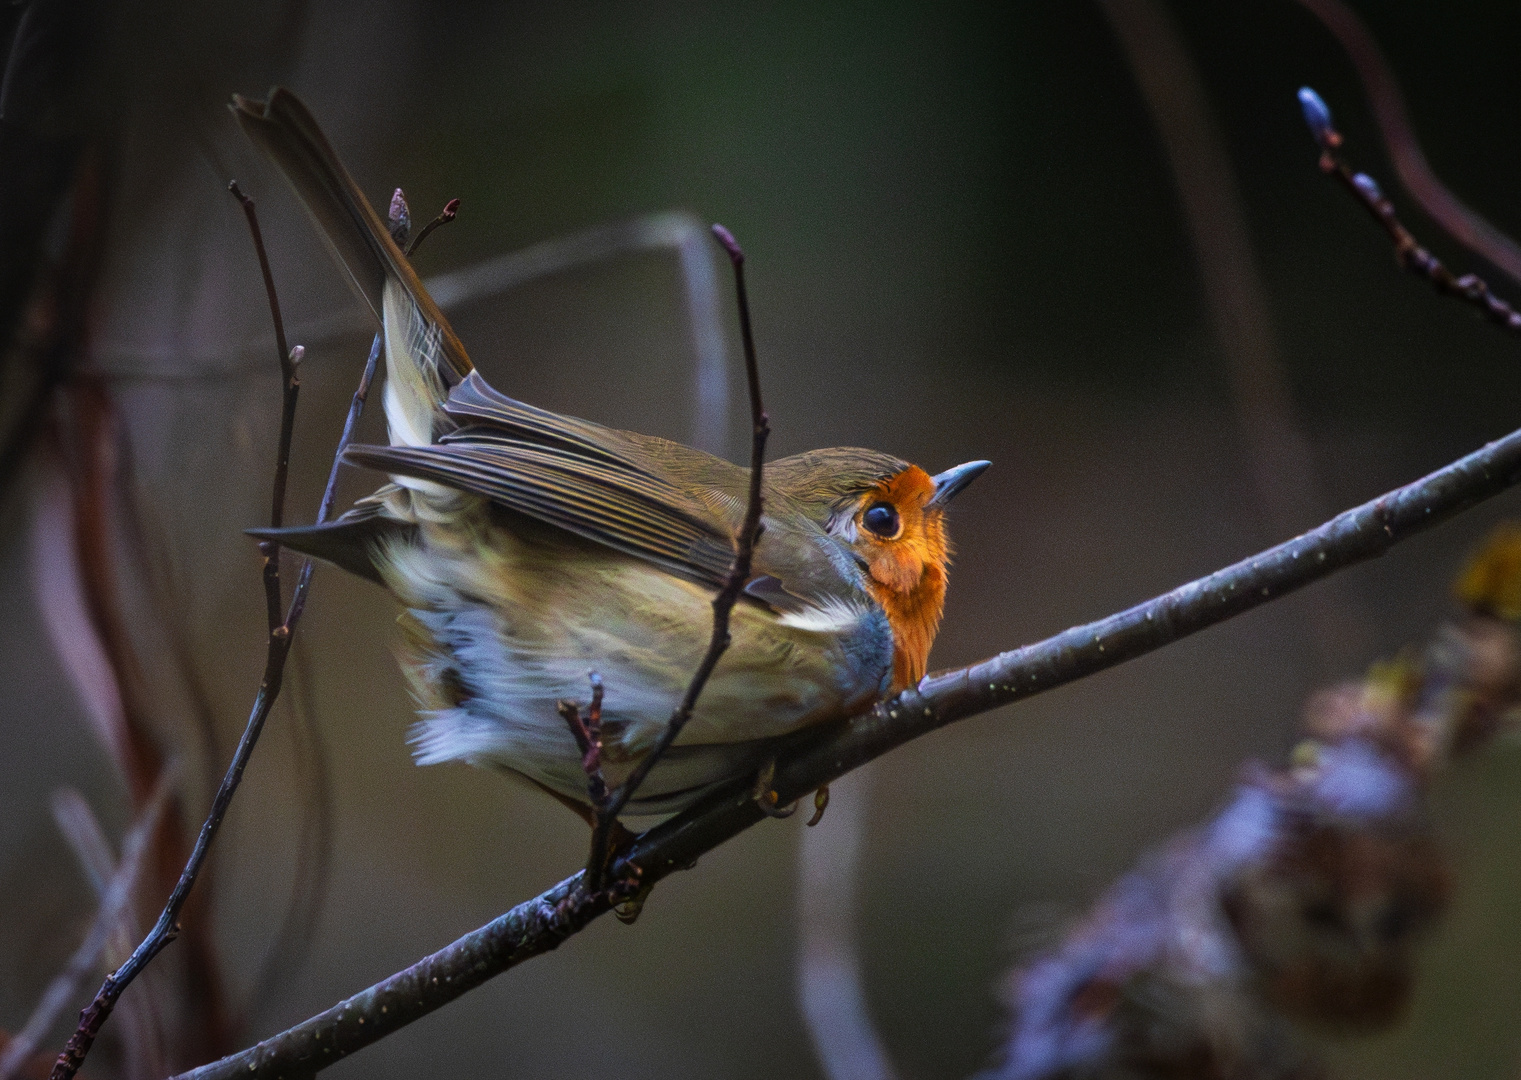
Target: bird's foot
(765,795)
(632,890)
(610,841)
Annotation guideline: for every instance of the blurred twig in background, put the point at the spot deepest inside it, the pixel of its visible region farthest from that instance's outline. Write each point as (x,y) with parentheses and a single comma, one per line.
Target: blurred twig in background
(114,913)
(671,230)
(1281,460)
(675,231)
(141,1021)
(830,989)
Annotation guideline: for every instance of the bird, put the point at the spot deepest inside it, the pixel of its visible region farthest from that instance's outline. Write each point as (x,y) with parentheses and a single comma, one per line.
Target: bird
(529,548)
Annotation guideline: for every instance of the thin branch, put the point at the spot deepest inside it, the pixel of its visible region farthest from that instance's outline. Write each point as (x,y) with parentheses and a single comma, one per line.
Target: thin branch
(446,215)
(288,362)
(1465,224)
(816,758)
(587,731)
(739,573)
(1408,252)
(167,927)
(113,903)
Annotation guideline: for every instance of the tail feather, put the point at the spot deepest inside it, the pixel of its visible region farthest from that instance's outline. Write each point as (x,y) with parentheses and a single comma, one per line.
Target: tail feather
(424,358)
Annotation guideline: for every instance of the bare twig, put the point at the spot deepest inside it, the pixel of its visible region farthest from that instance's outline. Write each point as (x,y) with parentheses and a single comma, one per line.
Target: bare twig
(290,947)
(446,215)
(1408,252)
(739,574)
(167,928)
(113,902)
(289,360)
(587,731)
(541,924)
(1465,224)
(400,220)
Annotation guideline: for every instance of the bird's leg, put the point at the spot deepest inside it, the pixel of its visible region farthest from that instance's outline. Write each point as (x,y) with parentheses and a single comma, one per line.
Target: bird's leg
(765,795)
(609,837)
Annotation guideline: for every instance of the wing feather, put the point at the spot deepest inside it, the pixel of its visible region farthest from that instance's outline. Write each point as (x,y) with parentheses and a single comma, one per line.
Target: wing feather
(628,510)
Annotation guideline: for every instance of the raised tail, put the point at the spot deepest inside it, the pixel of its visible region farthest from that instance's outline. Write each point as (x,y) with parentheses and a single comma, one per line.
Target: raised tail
(424,358)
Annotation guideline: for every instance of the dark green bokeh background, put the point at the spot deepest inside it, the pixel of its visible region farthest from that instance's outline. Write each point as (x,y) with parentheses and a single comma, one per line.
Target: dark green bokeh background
(964,242)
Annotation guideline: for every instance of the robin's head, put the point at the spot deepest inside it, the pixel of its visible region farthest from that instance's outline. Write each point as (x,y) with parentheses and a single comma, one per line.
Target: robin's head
(892,516)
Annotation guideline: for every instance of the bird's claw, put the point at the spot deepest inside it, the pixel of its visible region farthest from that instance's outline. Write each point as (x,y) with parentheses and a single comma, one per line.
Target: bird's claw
(765,795)
(820,804)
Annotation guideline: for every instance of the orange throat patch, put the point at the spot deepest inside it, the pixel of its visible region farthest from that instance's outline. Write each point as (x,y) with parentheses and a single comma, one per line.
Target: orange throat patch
(908,573)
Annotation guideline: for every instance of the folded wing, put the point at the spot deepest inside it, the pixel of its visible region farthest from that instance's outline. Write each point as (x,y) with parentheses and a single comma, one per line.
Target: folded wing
(569,473)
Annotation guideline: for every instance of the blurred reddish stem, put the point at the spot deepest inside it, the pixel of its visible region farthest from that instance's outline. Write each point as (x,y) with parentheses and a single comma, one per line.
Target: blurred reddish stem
(540,925)
(1464,224)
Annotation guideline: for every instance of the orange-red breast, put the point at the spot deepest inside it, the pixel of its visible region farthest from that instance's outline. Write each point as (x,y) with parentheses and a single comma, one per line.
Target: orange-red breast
(530,547)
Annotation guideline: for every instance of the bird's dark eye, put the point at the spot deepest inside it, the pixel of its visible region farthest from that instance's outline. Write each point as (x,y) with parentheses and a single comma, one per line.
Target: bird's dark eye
(881,519)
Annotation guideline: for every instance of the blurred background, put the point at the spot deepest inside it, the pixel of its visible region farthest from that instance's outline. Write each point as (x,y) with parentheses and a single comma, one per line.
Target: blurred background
(966,239)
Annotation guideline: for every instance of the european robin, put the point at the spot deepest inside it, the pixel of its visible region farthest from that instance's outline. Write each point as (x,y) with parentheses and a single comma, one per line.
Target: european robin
(529,547)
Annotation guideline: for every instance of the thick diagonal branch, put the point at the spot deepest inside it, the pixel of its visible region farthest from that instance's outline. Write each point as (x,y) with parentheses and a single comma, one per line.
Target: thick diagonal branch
(541,924)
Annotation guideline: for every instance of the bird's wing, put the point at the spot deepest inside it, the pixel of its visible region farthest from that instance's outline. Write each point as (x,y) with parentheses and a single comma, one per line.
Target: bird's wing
(570,473)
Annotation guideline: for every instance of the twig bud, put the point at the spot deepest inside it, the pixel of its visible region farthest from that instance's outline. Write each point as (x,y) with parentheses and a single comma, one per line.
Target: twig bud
(1368,186)
(297,354)
(730,245)
(400,218)
(1318,117)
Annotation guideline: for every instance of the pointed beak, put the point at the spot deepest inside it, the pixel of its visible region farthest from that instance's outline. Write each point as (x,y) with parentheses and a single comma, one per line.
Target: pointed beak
(948,483)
